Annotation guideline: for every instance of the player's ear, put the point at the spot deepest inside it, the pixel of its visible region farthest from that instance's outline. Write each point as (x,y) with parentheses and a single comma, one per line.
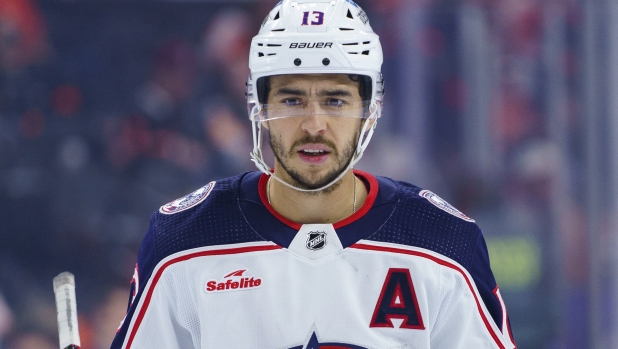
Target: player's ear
(371,122)
(263,118)
(372,119)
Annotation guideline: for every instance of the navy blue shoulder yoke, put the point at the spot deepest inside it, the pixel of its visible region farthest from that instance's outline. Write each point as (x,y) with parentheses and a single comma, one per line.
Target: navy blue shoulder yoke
(217,220)
(418,221)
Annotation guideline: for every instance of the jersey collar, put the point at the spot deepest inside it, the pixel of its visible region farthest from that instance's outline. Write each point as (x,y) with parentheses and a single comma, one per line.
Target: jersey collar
(371,197)
(268,223)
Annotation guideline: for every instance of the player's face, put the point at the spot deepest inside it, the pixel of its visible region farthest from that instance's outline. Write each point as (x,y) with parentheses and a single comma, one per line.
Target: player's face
(315,125)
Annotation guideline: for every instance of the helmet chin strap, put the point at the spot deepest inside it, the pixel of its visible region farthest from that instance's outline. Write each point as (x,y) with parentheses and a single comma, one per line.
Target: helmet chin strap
(258,159)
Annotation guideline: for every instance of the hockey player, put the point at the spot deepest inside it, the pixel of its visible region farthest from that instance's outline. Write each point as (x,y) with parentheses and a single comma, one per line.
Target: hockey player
(313,254)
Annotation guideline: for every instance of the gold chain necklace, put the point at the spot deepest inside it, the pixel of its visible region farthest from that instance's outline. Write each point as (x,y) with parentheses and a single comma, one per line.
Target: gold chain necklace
(268,193)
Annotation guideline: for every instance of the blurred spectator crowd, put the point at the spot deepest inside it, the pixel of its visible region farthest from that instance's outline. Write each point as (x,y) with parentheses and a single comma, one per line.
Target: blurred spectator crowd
(110,109)
(106,112)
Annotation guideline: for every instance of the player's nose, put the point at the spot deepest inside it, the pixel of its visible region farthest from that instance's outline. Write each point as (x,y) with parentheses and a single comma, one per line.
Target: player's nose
(314,123)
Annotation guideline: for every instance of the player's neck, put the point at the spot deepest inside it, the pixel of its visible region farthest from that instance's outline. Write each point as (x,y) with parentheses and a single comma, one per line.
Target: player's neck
(306,208)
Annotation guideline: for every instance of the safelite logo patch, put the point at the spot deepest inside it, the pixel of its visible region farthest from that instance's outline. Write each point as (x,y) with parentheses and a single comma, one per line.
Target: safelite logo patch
(188,201)
(234,281)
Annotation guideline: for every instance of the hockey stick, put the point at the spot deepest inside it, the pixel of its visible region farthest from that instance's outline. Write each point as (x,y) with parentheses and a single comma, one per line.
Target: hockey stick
(64,289)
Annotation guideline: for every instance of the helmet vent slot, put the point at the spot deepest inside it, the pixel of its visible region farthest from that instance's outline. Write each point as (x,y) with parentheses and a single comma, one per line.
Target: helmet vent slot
(260,54)
(350,14)
(350,44)
(353,53)
(272,54)
(345,29)
(366,53)
(274,45)
(260,44)
(366,42)
(278,30)
(277,16)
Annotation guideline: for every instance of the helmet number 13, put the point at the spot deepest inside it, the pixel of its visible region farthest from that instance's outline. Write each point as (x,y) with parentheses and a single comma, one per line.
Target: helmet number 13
(317,20)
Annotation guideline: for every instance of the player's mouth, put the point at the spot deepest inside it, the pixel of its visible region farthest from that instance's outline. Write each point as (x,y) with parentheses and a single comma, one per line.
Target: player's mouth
(314,154)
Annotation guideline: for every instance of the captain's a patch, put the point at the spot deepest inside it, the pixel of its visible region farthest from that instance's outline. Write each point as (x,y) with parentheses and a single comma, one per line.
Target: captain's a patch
(188,201)
(443,205)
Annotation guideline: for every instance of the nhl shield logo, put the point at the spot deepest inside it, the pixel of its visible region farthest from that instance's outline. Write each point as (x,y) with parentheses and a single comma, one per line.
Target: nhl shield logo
(316,240)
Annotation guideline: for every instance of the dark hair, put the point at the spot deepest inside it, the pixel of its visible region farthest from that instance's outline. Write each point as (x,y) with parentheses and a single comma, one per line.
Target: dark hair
(364,87)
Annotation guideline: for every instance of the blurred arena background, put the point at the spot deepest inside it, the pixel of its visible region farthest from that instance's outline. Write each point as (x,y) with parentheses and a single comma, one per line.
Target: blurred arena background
(508,109)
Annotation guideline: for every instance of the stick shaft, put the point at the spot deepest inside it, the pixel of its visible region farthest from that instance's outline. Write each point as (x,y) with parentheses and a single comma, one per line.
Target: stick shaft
(66,305)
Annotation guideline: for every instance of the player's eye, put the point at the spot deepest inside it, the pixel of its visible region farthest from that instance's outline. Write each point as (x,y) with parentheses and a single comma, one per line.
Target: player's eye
(293,102)
(335,103)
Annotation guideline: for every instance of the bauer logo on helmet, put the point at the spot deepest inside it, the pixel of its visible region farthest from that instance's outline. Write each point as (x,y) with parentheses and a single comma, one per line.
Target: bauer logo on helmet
(311,45)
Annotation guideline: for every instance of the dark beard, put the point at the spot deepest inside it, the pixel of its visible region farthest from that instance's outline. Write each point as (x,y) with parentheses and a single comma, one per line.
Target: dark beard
(302,181)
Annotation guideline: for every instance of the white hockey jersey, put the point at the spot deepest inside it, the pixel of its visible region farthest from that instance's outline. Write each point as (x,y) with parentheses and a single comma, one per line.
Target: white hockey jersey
(219,268)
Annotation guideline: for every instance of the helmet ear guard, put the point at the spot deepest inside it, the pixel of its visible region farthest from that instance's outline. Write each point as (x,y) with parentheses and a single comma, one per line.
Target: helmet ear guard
(263,88)
(315,37)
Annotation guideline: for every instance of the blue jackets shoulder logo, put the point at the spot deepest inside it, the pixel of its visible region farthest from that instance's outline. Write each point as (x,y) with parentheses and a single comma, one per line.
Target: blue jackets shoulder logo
(443,205)
(188,201)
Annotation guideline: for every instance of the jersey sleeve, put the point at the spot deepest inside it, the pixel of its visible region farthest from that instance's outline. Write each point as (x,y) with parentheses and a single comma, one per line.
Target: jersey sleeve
(487,287)
(146,261)
(157,315)
(472,313)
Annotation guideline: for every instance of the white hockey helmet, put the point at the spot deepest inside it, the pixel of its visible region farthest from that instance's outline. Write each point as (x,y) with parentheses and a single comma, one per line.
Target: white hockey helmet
(315,37)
